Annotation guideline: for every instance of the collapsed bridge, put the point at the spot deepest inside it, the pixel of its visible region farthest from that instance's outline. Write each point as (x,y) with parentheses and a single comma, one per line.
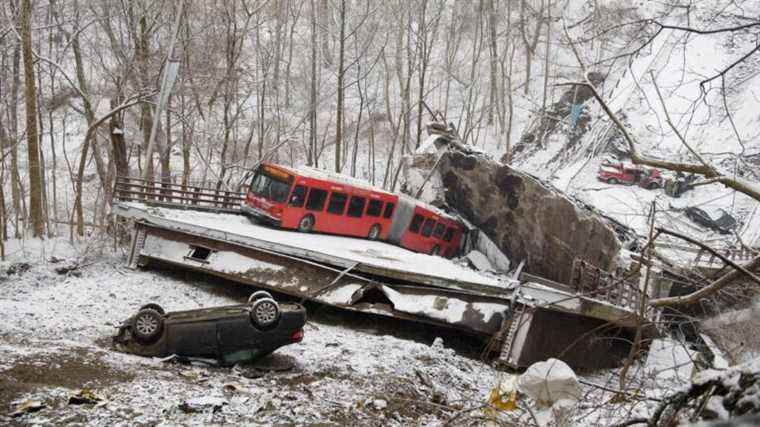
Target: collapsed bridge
(525,319)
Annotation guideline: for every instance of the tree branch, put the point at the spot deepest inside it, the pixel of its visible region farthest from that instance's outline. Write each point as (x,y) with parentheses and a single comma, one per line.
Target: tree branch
(727,69)
(698,31)
(712,251)
(708,290)
(700,169)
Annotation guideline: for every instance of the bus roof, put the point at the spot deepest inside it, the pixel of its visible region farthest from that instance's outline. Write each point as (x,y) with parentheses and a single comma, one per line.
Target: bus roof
(310,172)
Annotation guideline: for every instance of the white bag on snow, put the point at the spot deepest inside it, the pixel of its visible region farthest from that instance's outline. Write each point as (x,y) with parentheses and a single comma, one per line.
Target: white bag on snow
(550,381)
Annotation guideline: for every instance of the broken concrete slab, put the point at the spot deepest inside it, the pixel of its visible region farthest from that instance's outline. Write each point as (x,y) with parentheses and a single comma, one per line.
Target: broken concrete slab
(479,261)
(527,219)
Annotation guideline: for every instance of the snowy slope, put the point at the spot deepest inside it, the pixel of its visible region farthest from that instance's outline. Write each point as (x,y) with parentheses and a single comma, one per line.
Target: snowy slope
(675,62)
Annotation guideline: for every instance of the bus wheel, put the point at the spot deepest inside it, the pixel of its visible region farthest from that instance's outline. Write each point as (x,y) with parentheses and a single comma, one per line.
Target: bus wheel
(435,251)
(374,232)
(306,224)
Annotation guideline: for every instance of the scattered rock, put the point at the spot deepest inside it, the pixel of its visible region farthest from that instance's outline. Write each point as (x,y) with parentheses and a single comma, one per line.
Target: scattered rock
(18,268)
(251,373)
(380,404)
(27,407)
(203,404)
(72,269)
(84,397)
(437,344)
(274,362)
(231,388)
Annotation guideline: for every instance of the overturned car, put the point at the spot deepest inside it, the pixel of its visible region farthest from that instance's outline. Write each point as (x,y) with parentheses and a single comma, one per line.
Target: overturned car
(230,334)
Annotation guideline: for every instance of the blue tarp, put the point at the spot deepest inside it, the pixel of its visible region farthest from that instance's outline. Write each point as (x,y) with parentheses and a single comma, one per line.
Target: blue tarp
(575,113)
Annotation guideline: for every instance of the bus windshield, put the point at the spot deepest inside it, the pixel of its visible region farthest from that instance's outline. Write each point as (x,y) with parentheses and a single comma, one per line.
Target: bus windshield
(270,187)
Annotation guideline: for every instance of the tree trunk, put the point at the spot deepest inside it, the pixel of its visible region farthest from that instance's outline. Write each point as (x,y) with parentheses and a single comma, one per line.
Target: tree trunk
(312,151)
(546,70)
(530,45)
(43,166)
(18,211)
(166,151)
(146,115)
(119,147)
(341,72)
(30,94)
(324,26)
(4,142)
(358,124)
(493,50)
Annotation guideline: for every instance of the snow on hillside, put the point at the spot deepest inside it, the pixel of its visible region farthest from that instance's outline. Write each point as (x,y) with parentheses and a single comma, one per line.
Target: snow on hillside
(676,62)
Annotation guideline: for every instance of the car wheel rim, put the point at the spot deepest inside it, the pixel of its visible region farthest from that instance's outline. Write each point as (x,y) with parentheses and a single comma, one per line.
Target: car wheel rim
(146,325)
(266,313)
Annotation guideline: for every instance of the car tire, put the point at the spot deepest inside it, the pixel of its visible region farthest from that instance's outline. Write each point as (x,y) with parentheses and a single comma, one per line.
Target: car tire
(258,295)
(612,181)
(306,224)
(147,325)
(435,251)
(374,232)
(154,306)
(265,313)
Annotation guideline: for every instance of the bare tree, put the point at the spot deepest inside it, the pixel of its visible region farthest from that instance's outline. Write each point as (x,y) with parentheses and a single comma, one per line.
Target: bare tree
(341,88)
(30,95)
(529,40)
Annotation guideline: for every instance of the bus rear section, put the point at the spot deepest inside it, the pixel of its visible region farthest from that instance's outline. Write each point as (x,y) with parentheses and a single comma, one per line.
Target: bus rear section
(267,196)
(420,229)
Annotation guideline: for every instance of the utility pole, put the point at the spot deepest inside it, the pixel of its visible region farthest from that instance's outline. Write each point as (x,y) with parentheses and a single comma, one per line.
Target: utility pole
(167,82)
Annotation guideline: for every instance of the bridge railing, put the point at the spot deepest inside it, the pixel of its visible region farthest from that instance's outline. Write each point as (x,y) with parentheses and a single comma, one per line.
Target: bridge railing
(158,193)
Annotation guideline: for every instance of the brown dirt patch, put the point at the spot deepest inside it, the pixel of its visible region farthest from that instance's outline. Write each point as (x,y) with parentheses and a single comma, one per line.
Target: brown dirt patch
(72,369)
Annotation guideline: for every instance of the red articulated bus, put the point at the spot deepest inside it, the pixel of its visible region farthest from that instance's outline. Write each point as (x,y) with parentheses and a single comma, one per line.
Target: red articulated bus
(313,200)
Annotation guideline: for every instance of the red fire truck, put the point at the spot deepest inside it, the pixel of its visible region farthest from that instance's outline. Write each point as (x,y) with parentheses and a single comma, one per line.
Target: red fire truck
(313,200)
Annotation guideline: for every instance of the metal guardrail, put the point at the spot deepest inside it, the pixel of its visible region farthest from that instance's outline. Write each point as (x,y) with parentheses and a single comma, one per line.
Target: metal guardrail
(157,193)
(591,281)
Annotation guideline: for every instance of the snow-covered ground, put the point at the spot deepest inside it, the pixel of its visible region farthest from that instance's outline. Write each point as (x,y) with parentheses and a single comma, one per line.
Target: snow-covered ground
(56,323)
(55,338)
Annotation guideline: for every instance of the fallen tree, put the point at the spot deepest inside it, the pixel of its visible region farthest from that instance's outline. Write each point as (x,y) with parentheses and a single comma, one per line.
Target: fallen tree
(710,174)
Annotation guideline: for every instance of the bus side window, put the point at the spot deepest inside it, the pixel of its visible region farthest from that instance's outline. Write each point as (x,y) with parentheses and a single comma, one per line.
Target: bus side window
(388,210)
(316,199)
(298,197)
(414,227)
(449,234)
(337,203)
(427,228)
(356,206)
(375,207)
(438,231)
